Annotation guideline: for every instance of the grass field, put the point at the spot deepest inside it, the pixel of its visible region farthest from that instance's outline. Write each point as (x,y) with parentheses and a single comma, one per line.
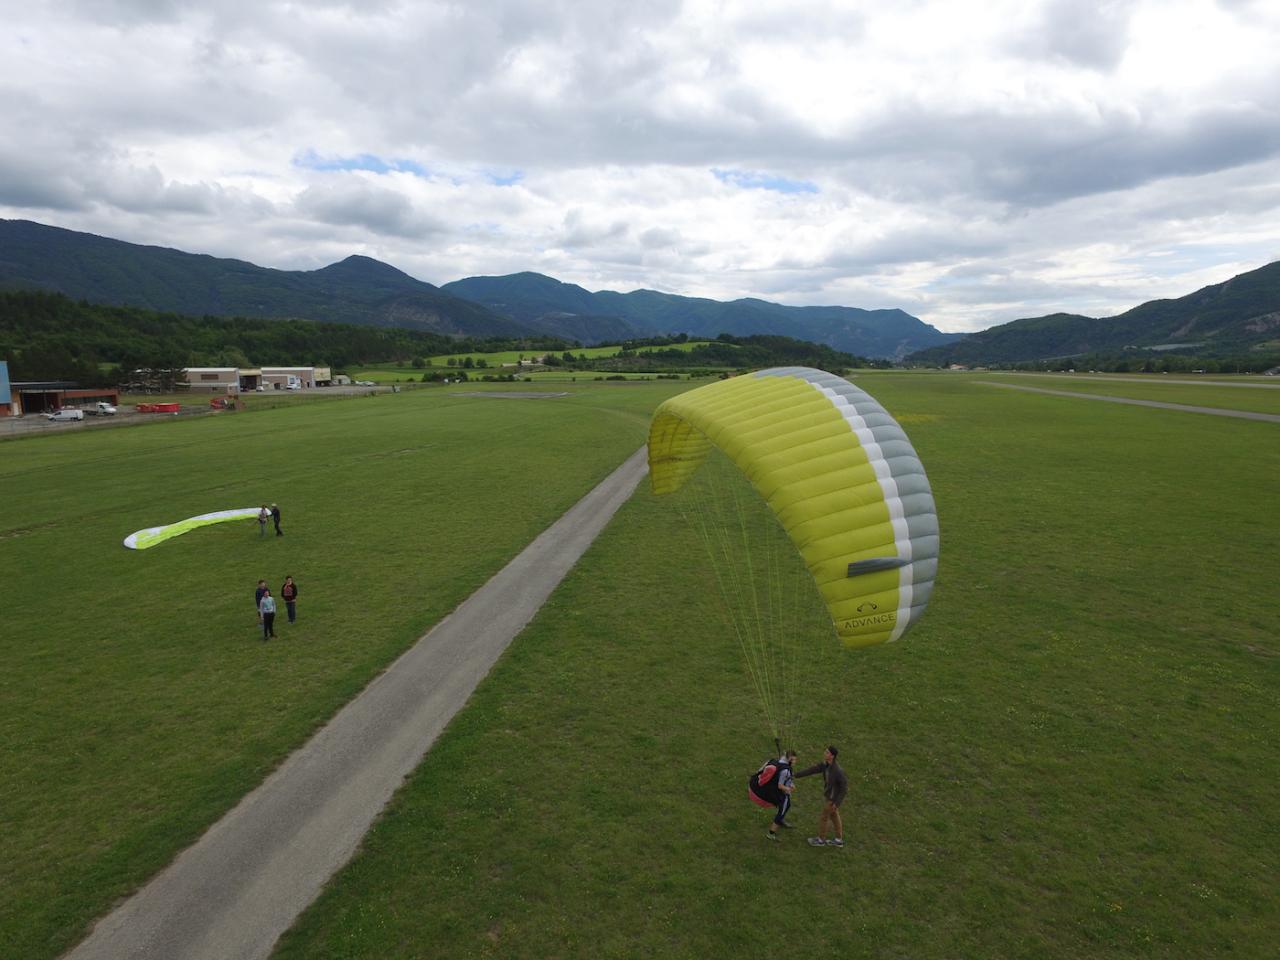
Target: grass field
(1257,396)
(270,400)
(137,703)
(1073,755)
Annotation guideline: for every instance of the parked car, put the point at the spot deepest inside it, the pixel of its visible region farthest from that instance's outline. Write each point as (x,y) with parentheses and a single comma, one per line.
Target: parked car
(101,409)
(66,414)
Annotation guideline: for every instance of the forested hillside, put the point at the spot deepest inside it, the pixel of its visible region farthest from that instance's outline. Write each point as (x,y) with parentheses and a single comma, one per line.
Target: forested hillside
(50,336)
(363,291)
(1237,321)
(739,353)
(46,336)
(566,309)
(357,290)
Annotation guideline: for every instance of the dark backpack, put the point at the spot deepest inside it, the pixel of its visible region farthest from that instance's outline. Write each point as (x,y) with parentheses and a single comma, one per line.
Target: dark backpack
(763,784)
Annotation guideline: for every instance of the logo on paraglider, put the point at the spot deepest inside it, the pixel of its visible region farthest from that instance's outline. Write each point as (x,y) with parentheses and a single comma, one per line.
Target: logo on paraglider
(867,607)
(878,619)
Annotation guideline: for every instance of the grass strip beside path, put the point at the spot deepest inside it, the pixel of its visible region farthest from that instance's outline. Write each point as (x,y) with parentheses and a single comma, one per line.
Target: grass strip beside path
(138,702)
(1257,397)
(1162,404)
(1073,754)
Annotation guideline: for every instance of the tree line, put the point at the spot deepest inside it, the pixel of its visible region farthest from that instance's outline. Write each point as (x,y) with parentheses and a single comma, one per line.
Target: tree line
(744,353)
(49,336)
(1148,362)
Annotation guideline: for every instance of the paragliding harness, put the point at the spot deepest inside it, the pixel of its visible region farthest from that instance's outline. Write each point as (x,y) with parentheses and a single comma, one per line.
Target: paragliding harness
(762,786)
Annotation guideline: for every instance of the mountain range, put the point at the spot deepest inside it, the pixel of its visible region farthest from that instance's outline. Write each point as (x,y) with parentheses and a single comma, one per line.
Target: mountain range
(569,310)
(362,290)
(357,290)
(1239,317)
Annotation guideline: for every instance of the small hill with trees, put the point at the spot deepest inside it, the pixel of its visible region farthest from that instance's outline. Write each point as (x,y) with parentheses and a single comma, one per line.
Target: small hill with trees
(1228,325)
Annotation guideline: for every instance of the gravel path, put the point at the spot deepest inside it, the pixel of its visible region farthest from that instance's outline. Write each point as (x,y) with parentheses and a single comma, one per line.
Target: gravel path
(237,889)
(1186,408)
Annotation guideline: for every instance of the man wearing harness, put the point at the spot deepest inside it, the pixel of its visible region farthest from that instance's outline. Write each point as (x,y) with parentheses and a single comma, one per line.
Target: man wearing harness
(777,791)
(835,785)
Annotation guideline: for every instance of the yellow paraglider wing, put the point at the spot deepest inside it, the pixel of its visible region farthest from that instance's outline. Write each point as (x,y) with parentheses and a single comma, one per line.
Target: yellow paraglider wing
(838,472)
(145,539)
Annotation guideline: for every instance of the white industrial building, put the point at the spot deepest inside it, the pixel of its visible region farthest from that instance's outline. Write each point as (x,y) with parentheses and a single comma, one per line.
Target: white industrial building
(236,379)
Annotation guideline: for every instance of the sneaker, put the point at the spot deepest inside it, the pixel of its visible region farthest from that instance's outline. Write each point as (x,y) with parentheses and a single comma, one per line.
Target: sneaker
(837,842)
(771,835)
(788,825)
(817,842)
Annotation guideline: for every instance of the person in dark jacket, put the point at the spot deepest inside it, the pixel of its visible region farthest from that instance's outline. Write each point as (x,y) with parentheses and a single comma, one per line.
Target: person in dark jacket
(835,785)
(289,594)
(275,518)
(257,598)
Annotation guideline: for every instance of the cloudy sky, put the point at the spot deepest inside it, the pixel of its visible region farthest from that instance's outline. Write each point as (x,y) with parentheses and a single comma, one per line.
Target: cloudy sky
(969,162)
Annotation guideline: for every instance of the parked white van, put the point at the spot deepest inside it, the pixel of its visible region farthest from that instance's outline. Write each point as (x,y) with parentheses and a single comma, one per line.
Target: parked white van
(64,415)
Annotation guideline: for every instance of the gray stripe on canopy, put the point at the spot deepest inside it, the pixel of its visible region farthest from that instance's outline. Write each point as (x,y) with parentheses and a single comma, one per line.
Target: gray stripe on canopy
(875,565)
(922,525)
(922,572)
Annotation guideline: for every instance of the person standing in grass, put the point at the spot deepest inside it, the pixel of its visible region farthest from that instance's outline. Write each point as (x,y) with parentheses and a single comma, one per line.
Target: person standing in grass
(835,785)
(267,605)
(263,516)
(289,594)
(275,518)
(257,598)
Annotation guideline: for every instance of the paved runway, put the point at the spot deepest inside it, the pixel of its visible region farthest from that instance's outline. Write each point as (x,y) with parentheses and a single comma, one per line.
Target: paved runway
(237,889)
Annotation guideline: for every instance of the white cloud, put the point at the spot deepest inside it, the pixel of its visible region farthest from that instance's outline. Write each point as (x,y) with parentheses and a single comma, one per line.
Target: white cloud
(968,162)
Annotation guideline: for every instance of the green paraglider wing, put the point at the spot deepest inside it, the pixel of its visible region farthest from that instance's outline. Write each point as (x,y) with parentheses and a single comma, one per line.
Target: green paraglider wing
(839,473)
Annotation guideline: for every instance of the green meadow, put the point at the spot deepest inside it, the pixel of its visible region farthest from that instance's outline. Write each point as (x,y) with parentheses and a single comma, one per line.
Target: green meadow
(1072,755)
(269,400)
(138,703)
